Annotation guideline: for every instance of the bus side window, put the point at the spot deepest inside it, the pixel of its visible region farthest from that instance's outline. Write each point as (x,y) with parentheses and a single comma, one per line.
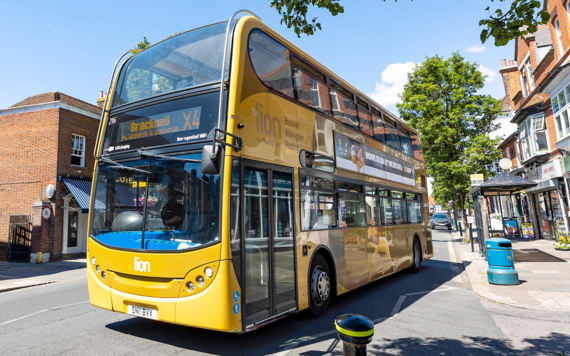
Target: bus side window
(343,108)
(417,147)
(392,135)
(365,122)
(310,87)
(379,130)
(271,62)
(386,211)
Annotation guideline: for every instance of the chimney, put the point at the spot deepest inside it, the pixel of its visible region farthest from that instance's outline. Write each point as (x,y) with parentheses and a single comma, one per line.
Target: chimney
(101,100)
(504,63)
(512,83)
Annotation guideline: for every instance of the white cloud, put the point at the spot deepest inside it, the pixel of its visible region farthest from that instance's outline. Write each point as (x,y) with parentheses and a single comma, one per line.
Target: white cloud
(476,49)
(393,79)
(491,74)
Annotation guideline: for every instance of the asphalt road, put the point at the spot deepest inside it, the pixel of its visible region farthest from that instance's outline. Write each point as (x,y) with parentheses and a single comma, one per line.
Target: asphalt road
(429,313)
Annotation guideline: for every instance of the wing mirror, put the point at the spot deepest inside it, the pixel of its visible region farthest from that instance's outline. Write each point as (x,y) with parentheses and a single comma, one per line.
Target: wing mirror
(211,159)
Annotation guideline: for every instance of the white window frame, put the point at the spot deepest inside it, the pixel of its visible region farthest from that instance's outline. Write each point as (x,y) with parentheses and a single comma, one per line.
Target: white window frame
(562,125)
(528,130)
(558,36)
(78,151)
(528,68)
(508,152)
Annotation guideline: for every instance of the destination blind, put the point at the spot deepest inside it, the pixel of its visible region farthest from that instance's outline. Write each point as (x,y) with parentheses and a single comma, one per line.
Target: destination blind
(184,120)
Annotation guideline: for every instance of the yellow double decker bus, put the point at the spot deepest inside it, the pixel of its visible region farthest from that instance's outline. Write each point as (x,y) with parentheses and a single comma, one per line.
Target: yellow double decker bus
(238,181)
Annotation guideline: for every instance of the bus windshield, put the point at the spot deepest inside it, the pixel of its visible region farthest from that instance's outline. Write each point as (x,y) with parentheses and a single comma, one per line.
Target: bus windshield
(190,59)
(175,207)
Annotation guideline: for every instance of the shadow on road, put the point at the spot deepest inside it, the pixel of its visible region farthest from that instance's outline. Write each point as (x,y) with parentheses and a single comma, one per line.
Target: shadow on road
(375,300)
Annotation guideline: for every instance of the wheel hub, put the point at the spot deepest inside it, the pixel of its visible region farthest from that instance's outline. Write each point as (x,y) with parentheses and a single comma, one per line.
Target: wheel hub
(320,286)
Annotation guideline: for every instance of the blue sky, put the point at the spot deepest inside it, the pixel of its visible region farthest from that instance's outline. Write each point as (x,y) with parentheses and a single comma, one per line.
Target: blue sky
(71,46)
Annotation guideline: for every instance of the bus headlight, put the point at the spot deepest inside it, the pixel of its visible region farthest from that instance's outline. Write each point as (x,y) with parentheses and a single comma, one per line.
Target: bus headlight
(93,260)
(98,269)
(200,280)
(190,286)
(104,275)
(209,272)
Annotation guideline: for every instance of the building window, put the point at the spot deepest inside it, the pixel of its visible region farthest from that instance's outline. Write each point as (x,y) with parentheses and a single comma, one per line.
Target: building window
(528,68)
(533,136)
(560,106)
(524,83)
(508,153)
(78,150)
(559,36)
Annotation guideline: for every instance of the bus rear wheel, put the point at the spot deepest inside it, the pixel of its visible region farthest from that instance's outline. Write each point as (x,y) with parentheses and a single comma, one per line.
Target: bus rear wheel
(320,286)
(417,257)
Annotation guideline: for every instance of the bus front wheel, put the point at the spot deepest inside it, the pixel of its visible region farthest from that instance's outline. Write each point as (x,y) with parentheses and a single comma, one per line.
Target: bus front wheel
(320,286)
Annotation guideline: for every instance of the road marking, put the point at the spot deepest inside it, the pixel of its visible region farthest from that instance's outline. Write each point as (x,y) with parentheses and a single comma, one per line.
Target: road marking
(291,344)
(453,261)
(398,305)
(42,311)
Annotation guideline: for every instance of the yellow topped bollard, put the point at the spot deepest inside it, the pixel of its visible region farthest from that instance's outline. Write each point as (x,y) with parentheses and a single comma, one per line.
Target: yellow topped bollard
(356,332)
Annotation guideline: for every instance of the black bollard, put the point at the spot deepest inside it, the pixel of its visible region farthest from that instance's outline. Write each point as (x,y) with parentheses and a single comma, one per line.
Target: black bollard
(356,332)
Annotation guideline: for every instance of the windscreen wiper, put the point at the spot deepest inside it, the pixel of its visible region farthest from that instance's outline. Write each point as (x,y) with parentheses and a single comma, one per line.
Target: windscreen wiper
(148,154)
(120,166)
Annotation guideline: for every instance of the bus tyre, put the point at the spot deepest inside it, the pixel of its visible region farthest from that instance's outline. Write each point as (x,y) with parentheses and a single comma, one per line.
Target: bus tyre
(320,286)
(417,257)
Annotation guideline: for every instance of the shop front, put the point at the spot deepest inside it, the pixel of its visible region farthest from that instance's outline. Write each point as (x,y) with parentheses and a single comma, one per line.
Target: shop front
(549,200)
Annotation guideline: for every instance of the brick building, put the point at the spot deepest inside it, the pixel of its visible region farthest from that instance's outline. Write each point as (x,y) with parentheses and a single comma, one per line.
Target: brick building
(47,139)
(537,88)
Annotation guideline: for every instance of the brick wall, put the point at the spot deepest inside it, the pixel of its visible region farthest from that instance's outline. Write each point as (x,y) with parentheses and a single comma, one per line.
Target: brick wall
(37,147)
(28,147)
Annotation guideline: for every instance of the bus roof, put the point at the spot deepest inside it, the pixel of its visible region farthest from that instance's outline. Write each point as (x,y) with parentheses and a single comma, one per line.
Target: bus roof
(322,67)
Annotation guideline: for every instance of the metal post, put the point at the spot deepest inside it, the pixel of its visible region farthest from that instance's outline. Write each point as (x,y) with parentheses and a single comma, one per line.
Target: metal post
(484,217)
(471,237)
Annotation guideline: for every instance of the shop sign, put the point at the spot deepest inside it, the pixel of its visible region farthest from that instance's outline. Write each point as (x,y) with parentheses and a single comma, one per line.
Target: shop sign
(527,230)
(549,171)
(477,179)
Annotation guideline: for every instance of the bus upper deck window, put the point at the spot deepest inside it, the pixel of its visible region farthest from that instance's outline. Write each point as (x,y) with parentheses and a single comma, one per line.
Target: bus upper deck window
(384,193)
(343,107)
(272,62)
(392,134)
(316,161)
(365,121)
(183,61)
(310,87)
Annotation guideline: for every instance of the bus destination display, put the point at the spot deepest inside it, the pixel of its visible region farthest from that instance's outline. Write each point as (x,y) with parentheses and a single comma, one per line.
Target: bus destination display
(154,125)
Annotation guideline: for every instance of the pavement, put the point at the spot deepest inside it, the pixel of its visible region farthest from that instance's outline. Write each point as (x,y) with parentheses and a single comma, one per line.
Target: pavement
(544,275)
(23,275)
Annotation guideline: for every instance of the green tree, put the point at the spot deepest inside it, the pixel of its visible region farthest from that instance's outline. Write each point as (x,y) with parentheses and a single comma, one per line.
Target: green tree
(440,100)
(522,18)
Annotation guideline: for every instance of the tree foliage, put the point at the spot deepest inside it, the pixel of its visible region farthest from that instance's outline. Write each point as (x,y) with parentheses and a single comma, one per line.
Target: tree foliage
(440,100)
(522,18)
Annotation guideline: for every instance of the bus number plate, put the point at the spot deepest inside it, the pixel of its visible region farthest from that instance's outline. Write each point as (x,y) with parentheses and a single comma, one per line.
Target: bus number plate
(142,312)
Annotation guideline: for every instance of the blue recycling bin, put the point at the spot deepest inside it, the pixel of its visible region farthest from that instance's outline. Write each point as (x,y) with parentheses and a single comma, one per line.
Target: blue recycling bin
(501,262)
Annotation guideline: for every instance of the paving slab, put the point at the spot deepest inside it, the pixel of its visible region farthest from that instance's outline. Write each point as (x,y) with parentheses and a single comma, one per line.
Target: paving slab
(545,282)
(23,275)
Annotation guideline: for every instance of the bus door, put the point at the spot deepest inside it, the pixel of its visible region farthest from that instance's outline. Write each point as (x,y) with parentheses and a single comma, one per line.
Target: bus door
(269,244)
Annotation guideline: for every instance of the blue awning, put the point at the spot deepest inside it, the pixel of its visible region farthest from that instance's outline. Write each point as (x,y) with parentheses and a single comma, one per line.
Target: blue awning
(81,191)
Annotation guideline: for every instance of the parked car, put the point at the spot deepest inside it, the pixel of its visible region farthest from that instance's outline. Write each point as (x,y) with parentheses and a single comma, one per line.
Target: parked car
(441,220)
